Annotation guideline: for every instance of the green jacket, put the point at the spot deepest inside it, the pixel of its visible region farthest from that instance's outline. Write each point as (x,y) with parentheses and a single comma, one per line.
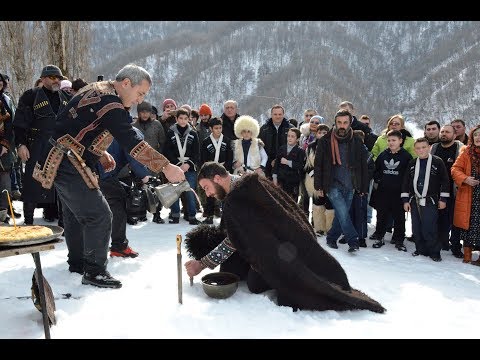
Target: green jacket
(381,144)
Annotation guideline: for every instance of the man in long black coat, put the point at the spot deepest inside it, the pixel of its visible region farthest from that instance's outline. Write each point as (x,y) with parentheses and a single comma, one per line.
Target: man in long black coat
(271,233)
(33,125)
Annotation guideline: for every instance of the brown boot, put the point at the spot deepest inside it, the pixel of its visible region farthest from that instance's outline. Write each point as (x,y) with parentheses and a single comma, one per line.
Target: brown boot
(467,254)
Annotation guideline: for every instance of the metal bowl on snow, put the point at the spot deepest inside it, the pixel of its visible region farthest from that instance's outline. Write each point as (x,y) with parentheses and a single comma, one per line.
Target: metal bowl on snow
(220,285)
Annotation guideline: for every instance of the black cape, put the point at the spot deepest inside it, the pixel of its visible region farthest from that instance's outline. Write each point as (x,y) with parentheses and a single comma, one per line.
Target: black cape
(272,233)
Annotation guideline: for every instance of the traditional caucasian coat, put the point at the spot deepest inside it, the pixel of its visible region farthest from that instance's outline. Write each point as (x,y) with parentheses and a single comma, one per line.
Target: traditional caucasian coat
(269,231)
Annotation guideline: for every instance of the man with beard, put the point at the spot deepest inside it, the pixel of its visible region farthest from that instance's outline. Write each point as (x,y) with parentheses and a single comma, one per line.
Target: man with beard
(340,169)
(448,150)
(33,124)
(271,234)
(432,131)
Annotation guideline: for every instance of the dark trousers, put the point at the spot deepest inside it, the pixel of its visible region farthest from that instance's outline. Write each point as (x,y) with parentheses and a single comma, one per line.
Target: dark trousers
(390,206)
(446,227)
(291,189)
(304,200)
(237,265)
(425,228)
(358,214)
(87,220)
(28,210)
(116,197)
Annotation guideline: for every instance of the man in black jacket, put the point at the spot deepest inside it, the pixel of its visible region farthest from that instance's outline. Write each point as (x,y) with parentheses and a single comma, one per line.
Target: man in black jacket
(274,134)
(83,131)
(340,169)
(33,124)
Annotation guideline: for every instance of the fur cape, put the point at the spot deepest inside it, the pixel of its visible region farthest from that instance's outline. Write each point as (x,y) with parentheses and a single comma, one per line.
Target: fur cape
(271,232)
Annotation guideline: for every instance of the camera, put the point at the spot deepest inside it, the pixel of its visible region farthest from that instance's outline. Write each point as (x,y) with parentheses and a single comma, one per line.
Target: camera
(100,78)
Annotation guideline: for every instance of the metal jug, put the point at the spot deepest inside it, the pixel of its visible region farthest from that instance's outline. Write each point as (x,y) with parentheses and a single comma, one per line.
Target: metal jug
(169,193)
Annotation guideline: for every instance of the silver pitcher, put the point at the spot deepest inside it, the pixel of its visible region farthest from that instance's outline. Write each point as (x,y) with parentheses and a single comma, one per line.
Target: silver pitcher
(169,193)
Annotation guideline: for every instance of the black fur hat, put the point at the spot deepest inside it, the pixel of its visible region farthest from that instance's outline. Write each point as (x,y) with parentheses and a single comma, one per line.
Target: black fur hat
(202,239)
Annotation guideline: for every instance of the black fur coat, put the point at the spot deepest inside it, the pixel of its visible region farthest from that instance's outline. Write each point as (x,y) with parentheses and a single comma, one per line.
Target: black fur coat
(272,233)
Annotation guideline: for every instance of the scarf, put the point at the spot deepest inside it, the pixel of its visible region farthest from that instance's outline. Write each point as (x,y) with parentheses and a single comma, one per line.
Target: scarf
(426,182)
(218,145)
(335,138)
(308,140)
(182,149)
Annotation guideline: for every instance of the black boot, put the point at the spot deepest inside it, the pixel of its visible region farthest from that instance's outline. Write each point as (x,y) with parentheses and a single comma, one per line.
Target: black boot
(157,219)
(28,209)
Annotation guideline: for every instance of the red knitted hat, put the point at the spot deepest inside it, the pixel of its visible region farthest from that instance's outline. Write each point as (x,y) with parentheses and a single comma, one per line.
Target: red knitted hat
(169,101)
(205,110)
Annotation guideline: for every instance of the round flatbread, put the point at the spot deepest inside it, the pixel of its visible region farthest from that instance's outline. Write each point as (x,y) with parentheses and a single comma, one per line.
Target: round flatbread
(28,232)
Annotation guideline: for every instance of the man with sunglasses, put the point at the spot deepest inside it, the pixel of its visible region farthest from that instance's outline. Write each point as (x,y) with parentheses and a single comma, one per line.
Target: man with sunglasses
(33,125)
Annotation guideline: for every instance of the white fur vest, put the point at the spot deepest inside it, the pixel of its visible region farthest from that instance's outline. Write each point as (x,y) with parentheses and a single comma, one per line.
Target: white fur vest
(254,160)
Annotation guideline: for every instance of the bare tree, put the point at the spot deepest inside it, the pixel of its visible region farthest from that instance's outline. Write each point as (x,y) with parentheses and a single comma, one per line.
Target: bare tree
(21,44)
(56,44)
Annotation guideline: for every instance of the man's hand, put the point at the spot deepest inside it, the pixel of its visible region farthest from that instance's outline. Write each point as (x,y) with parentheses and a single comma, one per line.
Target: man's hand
(194,267)
(107,161)
(442,205)
(23,153)
(406,207)
(185,167)
(173,173)
(283,161)
(320,193)
(146,179)
(3,150)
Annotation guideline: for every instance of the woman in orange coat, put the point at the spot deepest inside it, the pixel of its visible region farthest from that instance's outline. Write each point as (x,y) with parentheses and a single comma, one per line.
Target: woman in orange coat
(466,174)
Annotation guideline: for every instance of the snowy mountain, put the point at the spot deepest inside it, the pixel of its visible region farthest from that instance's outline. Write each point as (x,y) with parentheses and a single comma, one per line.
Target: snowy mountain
(423,69)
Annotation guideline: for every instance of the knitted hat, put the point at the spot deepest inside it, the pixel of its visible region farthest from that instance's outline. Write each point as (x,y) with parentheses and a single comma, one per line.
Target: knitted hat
(144,106)
(204,109)
(51,70)
(65,84)
(169,101)
(318,118)
(187,107)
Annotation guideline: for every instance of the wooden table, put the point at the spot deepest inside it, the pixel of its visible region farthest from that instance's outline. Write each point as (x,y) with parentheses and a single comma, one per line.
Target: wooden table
(35,251)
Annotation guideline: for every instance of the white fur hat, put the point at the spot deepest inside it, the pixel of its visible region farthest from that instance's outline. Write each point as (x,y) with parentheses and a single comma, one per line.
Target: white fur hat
(246,122)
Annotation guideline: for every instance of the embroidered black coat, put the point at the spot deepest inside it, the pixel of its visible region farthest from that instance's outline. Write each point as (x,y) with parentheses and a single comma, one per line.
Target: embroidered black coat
(270,232)
(90,121)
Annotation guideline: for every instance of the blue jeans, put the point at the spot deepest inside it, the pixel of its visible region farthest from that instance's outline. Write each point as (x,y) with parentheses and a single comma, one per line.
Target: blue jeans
(341,200)
(191,177)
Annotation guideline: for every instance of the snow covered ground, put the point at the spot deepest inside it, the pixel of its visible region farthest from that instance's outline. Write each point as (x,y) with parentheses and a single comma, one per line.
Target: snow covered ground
(424,299)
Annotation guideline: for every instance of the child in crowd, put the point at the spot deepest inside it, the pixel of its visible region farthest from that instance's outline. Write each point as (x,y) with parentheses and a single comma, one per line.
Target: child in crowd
(390,167)
(288,169)
(249,154)
(216,147)
(182,149)
(424,191)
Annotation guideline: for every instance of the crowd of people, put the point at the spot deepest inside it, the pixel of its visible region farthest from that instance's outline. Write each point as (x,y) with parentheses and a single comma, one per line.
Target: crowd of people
(74,149)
